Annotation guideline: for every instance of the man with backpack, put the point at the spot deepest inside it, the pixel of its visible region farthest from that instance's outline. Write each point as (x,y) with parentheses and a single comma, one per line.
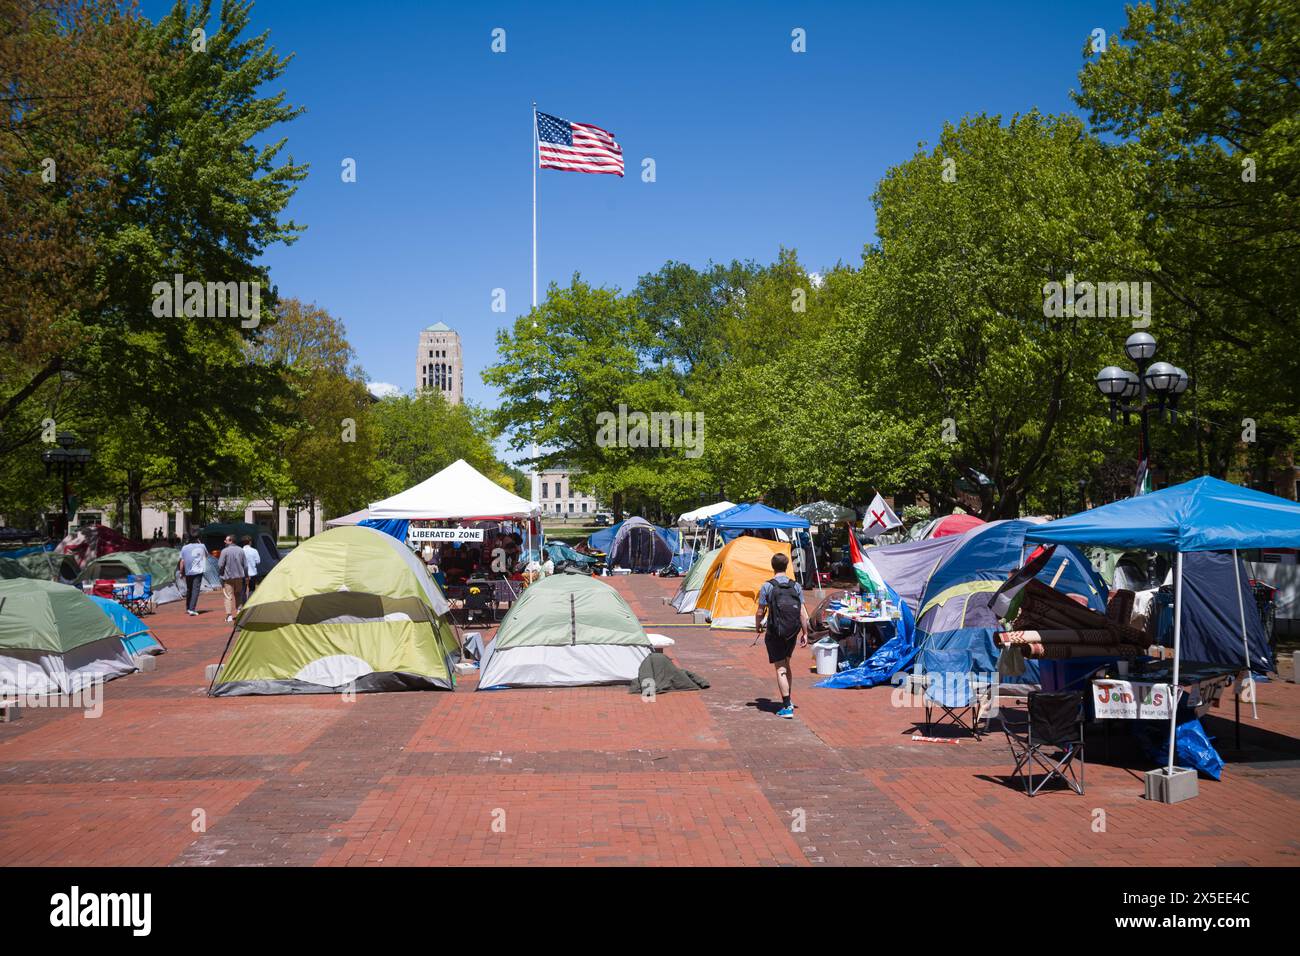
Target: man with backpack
(787,626)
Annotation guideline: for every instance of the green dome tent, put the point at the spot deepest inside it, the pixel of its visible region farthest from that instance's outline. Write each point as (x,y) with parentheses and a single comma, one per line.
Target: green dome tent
(686,596)
(55,640)
(567,630)
(350,609)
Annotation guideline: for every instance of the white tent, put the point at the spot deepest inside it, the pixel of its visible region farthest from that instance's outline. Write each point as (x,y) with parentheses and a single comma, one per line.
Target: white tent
(355,518)
(459,491)
(692,518)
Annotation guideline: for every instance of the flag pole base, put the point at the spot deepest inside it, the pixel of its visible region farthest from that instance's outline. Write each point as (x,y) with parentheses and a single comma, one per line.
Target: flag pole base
(1163,787)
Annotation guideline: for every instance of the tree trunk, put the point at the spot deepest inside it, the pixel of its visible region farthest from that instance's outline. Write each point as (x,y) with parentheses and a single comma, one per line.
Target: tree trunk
(618,506)
(275,517)
(311,516)
(194,511)
(135,504)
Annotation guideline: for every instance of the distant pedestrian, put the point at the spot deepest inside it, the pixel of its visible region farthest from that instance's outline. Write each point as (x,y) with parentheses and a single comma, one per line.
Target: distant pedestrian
(233,568)
(251,558)
(787,626)
(193,565)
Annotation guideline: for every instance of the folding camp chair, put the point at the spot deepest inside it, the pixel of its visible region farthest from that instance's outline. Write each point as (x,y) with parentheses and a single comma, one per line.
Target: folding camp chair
(105,588)
(1053,721)
(480,600)
(139,599)
(950,686)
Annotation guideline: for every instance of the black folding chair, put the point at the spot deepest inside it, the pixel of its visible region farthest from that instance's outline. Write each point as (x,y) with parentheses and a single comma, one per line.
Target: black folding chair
(480,600)
(1053,722)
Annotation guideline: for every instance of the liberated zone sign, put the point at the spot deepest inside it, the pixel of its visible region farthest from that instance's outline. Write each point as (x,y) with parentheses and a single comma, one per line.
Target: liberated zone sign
(444,534)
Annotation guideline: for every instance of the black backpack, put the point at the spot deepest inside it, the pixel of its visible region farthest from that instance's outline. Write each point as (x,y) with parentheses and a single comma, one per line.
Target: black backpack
(784,609)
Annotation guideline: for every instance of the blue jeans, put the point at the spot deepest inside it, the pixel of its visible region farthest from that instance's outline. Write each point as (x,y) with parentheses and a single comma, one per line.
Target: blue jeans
(192,585)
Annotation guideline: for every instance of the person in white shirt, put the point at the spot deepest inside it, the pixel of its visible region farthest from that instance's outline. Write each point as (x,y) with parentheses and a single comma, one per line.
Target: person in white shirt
(193,564)
(250,560)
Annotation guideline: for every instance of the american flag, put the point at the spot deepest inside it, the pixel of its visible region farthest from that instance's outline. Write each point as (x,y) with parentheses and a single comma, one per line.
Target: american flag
(578,146)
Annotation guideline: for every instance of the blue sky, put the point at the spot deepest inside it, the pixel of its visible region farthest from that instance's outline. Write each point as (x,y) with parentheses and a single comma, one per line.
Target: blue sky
(755,146)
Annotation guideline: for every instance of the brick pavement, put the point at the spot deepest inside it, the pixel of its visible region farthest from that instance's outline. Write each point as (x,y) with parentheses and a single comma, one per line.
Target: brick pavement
(168,776)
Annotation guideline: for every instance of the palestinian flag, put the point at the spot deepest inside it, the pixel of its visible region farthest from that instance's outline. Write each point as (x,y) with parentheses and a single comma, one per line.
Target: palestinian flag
(869,578)
(1003,602)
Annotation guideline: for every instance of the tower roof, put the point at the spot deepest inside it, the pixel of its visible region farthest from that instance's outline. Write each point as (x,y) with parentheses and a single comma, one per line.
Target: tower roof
(438,327)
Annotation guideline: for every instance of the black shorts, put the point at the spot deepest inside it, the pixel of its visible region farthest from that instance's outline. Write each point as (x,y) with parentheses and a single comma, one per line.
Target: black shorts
(779,648)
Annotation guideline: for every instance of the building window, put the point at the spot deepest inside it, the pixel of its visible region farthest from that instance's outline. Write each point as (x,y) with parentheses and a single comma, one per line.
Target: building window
(544,489)
(584,507)
(570,507)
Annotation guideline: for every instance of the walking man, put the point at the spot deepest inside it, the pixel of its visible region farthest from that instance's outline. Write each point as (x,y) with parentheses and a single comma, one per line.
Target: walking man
(250,559)
(193,563)
(233,570)
(787,626)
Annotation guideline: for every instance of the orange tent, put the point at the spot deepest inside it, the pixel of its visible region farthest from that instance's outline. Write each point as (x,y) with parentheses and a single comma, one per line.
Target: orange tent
(730,592)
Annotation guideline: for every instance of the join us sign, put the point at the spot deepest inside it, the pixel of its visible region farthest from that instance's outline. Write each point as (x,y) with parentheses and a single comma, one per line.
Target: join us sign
(423,535)
(1122,699)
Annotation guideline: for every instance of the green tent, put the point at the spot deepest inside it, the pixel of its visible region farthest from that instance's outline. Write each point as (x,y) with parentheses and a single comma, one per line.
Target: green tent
(684,599)
(565,631)
(350,609)
(55,640)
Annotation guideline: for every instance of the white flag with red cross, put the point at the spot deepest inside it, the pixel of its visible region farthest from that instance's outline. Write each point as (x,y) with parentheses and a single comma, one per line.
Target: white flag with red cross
(879,518)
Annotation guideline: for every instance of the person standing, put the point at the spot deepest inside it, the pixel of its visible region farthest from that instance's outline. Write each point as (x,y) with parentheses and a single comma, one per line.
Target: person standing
(193,564)
(251,559)
(786,626)
(233,570)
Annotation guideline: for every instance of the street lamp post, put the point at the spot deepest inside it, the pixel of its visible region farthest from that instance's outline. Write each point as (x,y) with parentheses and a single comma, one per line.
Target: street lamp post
(1156,387)
(65,461)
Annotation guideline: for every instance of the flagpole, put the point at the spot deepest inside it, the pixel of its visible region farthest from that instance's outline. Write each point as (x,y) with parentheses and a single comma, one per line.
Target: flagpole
(535,158)
(536,474)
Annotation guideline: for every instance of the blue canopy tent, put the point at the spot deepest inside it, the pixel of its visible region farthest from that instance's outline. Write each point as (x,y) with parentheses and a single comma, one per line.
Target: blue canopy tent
(759,517)
(1204,514)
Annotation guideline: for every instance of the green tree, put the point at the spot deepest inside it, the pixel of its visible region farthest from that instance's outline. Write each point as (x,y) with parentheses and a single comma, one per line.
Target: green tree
(1204,99)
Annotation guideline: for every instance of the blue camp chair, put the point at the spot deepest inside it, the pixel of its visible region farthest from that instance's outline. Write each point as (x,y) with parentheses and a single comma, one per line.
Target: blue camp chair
(139,598)
(950,687)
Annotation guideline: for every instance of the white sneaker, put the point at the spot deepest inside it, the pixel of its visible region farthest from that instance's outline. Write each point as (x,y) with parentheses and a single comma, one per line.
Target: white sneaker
(192,613)
(229,618)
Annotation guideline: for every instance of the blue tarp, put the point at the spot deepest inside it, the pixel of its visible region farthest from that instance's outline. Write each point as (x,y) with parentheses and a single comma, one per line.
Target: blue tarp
(1204,514)
(393,527)
(753,518)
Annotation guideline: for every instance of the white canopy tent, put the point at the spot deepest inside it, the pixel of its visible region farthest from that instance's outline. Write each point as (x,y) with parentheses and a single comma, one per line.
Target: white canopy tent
(459,491)
(694,520)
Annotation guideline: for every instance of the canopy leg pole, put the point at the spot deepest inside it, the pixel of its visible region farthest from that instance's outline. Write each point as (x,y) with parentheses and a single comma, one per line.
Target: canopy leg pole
(1245,642)
(1178,634)
(812,546)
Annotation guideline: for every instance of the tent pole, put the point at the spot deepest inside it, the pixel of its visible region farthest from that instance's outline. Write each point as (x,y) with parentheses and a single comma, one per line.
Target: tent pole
(1245,642)
(1178,634)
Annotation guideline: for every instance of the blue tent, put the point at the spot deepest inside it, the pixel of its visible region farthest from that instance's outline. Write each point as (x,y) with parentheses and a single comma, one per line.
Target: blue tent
(947,582)
(632,544)
(136,637)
